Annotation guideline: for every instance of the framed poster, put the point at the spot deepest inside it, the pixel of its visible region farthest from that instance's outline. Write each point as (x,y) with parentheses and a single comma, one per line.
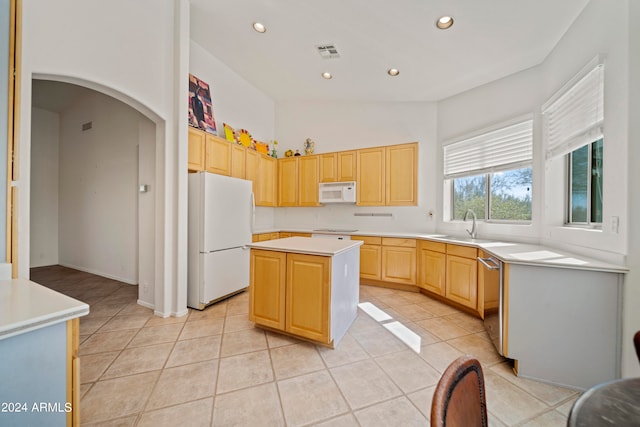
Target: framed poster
(200,109)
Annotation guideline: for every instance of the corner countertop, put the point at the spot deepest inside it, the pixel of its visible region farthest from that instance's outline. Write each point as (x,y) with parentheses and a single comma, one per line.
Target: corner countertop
(506,251)
(306,245)
(26,306)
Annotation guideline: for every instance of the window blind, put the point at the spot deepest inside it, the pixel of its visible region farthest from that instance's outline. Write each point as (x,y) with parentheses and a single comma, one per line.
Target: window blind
(574,117)
(505,148)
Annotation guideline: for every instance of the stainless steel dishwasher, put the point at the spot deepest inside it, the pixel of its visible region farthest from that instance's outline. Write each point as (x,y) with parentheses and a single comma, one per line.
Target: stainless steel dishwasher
(494,320)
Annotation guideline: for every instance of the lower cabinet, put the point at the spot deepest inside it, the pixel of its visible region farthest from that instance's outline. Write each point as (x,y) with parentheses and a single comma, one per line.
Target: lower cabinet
(291,292)
(370,257)
(432,266)
(308,292)
(268,283)
(399,260)
(462,275)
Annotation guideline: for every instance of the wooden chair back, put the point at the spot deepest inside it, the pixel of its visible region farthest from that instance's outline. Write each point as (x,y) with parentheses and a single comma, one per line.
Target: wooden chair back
(459,399)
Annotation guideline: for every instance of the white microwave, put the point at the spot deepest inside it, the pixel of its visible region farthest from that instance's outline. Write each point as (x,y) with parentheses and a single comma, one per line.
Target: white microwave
(337,192)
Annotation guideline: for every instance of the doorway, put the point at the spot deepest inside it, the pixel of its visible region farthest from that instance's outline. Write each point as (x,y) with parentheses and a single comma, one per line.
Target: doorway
(90,156)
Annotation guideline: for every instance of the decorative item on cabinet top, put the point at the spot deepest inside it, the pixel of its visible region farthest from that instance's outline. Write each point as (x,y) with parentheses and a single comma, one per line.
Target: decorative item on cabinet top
(309,146)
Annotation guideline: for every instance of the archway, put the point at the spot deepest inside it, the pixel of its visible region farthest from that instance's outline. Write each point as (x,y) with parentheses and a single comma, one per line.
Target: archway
(149,227)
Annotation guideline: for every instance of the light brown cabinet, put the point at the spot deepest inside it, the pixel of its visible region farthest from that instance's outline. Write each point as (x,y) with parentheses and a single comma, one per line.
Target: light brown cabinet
(275,302)
(432,266)
(267,288)
(370,171)
(328,167)
(261,171)
(387,259)
(217,155)
(370,257)
(308,293)
(462,275)
(266,185)
(388,176)
(288,181)
(196,150)
(399,260)
(347,165)
(238,161)
(401,185)
(308,180)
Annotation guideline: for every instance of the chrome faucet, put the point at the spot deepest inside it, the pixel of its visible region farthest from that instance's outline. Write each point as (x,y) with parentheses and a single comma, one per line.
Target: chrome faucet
(473,232)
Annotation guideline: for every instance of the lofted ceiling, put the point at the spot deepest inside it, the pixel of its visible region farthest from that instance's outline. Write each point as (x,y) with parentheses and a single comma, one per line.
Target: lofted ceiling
(490,39)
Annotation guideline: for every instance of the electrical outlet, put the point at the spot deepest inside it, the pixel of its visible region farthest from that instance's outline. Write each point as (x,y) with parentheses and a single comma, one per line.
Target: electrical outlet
(615,224)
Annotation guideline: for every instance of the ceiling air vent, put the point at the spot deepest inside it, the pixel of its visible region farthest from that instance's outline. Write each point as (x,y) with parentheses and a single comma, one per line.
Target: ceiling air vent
(328,51)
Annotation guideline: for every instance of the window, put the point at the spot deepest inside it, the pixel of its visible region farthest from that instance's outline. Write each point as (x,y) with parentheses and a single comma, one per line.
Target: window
(491,174)
(585,185)
(573,122)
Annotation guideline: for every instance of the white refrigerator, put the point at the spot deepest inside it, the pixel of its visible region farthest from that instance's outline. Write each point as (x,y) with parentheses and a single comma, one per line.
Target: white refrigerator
(221,212)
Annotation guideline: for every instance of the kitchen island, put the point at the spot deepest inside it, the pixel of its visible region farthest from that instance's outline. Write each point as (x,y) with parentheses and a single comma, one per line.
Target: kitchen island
(39,363)
(305,287)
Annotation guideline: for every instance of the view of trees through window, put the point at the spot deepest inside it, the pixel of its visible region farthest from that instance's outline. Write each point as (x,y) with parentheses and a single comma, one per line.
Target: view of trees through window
(500,196)
(586,184)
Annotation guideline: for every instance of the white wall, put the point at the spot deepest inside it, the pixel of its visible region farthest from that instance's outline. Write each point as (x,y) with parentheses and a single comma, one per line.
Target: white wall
(335,126)
(98,188)
(598,30)
(604,28)
(631,314)
(512,97)
(45,131)
(234,100)
(127,50)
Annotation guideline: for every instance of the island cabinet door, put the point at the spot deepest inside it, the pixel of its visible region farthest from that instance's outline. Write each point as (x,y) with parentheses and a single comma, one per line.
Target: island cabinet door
(308,296)
(267,288)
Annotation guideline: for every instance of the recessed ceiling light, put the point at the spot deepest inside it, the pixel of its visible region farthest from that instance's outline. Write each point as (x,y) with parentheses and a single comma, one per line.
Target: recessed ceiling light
(326,75)
(259,27)
(393,72)
(444,22)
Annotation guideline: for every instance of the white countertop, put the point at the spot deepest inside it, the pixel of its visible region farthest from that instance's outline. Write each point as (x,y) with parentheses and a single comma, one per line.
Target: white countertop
(26,306)
(307,245)
(510,252)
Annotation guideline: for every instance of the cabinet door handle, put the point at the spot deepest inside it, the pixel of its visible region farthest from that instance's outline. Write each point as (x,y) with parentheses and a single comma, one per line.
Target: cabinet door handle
(490,263)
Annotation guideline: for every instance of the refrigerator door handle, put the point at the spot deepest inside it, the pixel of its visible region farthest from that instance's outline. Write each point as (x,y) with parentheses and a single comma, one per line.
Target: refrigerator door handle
(253,212)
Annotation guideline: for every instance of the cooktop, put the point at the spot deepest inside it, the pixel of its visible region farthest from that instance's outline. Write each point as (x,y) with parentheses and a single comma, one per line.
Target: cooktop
(336,230)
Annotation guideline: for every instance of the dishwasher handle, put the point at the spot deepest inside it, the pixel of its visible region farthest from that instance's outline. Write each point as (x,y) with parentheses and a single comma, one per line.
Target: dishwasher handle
(490,263)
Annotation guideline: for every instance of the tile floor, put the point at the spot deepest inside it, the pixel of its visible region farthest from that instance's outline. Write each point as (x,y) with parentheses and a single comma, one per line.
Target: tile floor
(214,368)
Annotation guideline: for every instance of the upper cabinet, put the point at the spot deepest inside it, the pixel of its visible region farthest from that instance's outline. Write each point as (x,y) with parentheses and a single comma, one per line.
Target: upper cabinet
(388,176)
(288,181)
(370,171)
(196,150)
(347,161)
(384,176)
(238,161)
(217,155)
(308,179)
(328,167)
(266,185)
(401,186)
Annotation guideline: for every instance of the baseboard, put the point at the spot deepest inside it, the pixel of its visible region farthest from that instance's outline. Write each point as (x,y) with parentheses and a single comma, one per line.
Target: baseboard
(100,273)
(146,305)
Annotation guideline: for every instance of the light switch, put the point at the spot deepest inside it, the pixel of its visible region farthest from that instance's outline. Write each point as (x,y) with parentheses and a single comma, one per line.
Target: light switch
(143,188)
